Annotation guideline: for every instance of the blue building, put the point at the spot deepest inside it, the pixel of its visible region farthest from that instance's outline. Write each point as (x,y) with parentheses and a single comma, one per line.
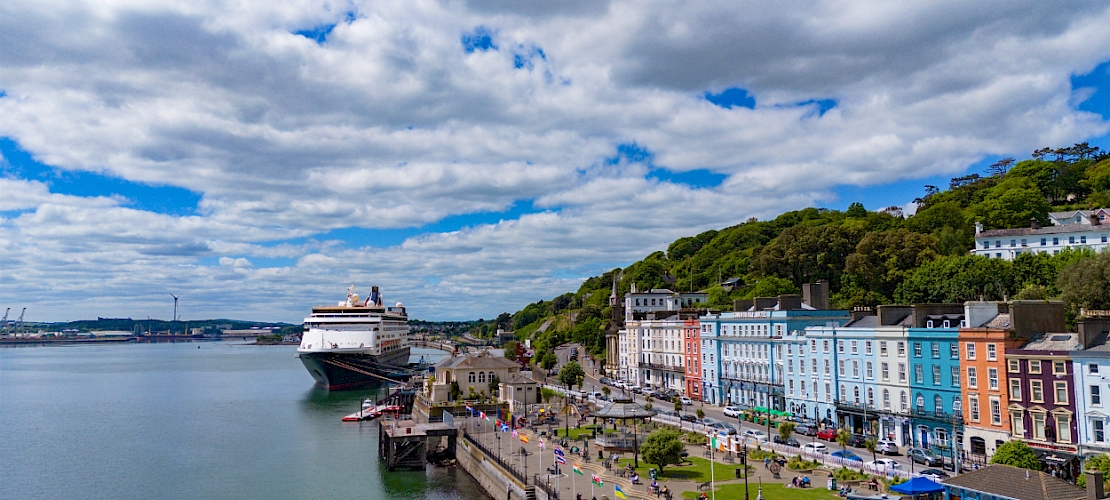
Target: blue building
(937,413)
(743,352)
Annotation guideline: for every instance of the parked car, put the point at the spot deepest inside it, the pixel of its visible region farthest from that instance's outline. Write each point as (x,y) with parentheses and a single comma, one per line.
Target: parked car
(732,411)
(709,421)
(605,380)
(886,447)
(846,455)
(790,441)
(806,430)
(857,440)
(686,401)
(814,448)
(725,426)
(884,465)
(690,418)
(934,474)
(923,456)
(756,434)
(826,434)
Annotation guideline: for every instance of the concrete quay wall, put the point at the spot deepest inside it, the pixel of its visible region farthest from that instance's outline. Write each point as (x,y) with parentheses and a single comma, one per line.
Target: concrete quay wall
(499,484)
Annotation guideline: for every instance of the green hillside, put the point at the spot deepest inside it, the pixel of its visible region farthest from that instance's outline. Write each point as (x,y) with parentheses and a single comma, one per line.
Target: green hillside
(868,257)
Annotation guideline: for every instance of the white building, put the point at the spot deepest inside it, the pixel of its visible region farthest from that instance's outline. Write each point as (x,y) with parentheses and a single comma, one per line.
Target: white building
(651,352)
(1091,372)
(1075,229)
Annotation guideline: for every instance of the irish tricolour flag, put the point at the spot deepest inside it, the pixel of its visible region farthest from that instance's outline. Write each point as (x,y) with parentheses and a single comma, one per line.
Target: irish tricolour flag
(597,480)
(577,470)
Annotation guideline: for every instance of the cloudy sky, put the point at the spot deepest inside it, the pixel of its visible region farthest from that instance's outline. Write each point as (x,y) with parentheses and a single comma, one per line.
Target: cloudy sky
(470,157)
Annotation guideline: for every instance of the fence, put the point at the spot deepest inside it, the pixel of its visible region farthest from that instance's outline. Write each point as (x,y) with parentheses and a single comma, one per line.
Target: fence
(497,459)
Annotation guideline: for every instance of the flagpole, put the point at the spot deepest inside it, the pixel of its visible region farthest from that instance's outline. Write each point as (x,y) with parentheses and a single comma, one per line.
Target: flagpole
(712,478)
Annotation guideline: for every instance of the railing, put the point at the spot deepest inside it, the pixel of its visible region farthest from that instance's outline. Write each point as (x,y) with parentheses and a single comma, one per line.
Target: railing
(552,494)
(497,459)
(658,366)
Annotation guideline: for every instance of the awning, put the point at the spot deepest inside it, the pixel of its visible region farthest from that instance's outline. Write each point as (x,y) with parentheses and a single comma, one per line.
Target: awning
(917,486)
(1054,457)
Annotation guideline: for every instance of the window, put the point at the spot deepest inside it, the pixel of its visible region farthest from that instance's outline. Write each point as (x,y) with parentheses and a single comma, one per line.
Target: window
(1058,368)
(901,349)
(973,407)
(1071,240)
(1082,239)
(828,391)
(954,350)
(855,394)
(1092,368)
(840,347)
(1096,396)
(840,368)
(1063,428)
(481,376)
(992,378)
(972,378)
(957,407)
(1099,431)
(905,402)
(1014,366)
(917,349)
(855,347)
(901,372)
(867,347)
(885,370)
(826,367)
(996,411)
(1015,389)
(918,376)
(791,388)
(938,404)
(1035,366)
(1036,391)
(870,370)
(970,351)
(936,374)
(1017,426)
(882,348)
(825,344)
(920,403)
(813,345)
(955,376)
(814,366)
(1061,393)
(936,349)
(855,369)
(992,352)
(471,377)
(1044,241)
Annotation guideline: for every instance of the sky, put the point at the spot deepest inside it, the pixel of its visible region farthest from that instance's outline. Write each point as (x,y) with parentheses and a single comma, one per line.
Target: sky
(470,157)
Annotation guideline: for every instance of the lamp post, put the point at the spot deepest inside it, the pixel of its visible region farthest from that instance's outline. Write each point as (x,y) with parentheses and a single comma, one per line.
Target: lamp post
(744,464)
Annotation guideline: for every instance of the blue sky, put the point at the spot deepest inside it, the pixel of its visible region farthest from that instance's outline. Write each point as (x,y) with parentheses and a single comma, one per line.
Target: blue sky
(471,159)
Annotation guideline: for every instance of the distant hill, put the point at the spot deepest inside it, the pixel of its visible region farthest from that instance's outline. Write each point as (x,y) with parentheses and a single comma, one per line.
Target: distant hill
(868,257)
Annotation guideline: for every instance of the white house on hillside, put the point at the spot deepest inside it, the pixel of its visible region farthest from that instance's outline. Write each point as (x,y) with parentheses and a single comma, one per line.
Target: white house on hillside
(1075,229)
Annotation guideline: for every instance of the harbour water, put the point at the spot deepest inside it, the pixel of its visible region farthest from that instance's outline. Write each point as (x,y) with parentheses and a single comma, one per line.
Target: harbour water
(169,420)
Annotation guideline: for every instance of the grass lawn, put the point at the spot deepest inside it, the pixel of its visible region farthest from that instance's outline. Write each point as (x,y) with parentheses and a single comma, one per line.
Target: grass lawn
(697,471)
(770,492)
(577,433)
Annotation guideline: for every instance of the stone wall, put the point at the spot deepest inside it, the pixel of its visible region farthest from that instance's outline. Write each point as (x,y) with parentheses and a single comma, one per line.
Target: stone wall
(497,483)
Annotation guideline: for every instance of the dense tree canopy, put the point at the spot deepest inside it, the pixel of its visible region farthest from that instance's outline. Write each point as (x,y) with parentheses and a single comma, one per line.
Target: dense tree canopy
(1017,454)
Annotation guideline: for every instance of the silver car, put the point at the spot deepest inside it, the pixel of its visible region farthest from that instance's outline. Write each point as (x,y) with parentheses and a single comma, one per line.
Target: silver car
(886,447)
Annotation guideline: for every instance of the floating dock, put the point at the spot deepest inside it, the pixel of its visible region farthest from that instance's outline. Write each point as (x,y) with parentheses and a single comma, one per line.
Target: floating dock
(371,413)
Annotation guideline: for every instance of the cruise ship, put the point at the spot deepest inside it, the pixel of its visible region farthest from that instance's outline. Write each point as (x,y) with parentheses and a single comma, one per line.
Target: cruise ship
(356,343)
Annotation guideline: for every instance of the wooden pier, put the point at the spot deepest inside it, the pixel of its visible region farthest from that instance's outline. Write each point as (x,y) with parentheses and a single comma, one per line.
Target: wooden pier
(403,443)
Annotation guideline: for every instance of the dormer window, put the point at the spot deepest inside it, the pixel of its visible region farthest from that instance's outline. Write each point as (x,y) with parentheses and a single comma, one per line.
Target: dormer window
(929,324)
(946,324)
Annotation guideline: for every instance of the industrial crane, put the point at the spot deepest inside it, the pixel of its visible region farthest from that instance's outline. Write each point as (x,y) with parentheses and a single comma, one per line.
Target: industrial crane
(4,322)
(19,322)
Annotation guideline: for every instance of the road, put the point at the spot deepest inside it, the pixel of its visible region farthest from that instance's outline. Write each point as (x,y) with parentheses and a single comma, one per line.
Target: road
(592,384)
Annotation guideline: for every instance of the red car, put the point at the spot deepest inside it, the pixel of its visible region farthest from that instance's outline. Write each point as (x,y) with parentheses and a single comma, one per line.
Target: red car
(826,434)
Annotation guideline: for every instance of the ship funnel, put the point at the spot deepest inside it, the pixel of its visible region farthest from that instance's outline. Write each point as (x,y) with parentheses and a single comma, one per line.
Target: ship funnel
(375,296)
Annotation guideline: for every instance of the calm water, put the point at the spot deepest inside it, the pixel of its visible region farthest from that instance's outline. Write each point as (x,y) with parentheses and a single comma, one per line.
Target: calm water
(173,421)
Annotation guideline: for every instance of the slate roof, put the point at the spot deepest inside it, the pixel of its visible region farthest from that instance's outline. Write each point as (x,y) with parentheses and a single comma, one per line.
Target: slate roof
(1016,483)
(481,361)
(1001,322)
(519,379)
(870,321)
(1054,342)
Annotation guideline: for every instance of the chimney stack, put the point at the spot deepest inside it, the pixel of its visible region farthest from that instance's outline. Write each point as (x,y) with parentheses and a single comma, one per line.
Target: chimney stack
(741,304)
(816,295)
(790,302)
(763,303)
(1034,223)
(1093,327)
(1094,485)
(861,311)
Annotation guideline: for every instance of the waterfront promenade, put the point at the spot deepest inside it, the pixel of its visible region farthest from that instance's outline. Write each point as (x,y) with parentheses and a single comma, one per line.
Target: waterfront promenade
(682,481)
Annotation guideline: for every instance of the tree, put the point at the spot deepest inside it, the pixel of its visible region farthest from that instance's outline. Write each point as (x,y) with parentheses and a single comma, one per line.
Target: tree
(606,391)
(494,384)
(547,393)
(1017,454)
(1101,463)
(805,254)
(871,444)
(453,390)
(842,437)
(571,374)
(956,279)
(700,413)
(1086,282)
(1011,203)
(883,259)
(677,404)
(856,210)
(662,448)
(510,349)
(785,430)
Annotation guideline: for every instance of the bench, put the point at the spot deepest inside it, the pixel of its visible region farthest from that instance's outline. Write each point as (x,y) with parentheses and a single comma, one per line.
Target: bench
(704,486)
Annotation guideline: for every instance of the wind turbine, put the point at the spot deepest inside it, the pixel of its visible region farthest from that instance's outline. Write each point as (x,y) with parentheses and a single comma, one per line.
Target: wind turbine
(174,312)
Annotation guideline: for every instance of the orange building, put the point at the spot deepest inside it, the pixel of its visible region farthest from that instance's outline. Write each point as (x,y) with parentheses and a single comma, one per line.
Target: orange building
(990,329)
(692,350)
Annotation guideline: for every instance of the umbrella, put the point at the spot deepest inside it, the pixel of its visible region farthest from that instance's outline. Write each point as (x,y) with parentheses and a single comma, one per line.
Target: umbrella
(917,486)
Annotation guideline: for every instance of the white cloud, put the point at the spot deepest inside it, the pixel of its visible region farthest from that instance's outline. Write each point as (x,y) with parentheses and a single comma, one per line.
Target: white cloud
(391,124)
